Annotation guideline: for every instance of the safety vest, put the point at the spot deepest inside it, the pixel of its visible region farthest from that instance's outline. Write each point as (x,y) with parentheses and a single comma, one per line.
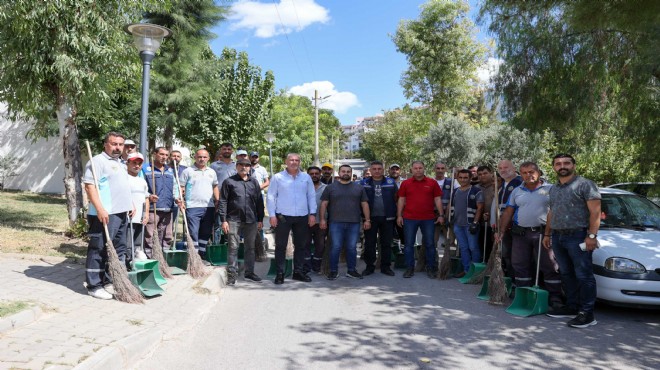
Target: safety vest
(471,202)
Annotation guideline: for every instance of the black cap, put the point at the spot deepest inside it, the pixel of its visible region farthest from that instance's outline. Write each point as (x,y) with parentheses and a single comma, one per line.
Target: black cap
(244,161)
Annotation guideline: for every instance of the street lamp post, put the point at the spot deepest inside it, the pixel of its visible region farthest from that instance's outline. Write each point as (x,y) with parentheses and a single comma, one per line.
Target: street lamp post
(147,38)
(270,137)
(316,125)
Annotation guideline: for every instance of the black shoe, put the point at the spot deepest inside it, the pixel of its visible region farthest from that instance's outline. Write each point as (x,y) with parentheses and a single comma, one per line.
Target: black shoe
(409,273)
(252,276)
(279,278)
(387,271)
(301,277)
(354,274)
(333,275)
(561,312)
(368,271)
(582,320)
(231,279)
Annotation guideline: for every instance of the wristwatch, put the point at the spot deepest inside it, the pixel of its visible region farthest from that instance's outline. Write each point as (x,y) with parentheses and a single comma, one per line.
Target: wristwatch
(592,236)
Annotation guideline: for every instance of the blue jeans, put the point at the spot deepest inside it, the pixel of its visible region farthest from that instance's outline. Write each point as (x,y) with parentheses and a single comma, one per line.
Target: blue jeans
(576,270)
(343,234)
(410,228)
(469,246)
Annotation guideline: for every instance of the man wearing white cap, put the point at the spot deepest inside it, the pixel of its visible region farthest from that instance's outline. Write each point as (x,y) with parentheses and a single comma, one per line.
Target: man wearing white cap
(140,198)
(129,147)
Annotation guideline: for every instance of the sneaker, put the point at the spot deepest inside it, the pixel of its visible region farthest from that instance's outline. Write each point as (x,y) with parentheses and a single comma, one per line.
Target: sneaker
(333,275)
(561,312)
(409,273)
(301,277)
(100,293)
(582,320)
(140,256)
(354,274)
(109,288)
(252,276)
(387,271)
(368,271)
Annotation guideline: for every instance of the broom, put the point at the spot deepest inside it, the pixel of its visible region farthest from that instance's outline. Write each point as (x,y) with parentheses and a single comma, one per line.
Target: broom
(157,250)
(124,290)
(195,266)
(445,262)
(496,286)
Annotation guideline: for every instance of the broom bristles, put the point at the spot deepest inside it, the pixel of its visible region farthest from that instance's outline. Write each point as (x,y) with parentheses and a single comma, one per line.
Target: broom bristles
(195,266)
(157,252)
(125,291)
(445,264)
(496,286)
(421,258)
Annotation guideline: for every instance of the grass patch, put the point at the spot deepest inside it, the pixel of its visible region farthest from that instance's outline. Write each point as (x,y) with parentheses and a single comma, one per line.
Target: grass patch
(36,224)
(12,307)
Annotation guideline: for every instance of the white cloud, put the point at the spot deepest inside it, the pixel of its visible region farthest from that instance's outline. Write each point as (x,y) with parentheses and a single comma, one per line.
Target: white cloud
(264,18)
(486,72)
(339,101)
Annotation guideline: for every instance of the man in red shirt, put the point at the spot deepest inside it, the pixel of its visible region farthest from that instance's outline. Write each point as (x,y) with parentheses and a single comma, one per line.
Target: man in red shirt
(415,210)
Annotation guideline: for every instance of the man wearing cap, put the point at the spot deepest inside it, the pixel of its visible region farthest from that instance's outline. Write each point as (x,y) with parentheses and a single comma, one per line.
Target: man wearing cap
(140,198)
(129,147)
(163,197)
(259,172)
(241,212)
(224,166)
(395,173)
(327,173)
(111,205)
(199,184)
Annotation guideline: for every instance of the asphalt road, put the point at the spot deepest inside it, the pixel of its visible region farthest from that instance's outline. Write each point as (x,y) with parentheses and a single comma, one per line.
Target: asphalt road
(390,322)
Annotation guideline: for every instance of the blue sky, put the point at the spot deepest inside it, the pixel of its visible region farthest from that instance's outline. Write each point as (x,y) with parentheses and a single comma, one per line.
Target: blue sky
(340,47)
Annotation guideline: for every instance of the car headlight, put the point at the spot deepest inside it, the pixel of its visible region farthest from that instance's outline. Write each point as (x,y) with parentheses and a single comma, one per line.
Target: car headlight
(619,264)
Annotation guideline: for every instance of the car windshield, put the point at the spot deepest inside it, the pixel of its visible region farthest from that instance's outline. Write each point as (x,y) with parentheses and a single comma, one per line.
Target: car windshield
(630,211)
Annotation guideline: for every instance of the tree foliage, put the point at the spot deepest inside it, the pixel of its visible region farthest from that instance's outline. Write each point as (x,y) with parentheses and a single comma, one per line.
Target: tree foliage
(443,56)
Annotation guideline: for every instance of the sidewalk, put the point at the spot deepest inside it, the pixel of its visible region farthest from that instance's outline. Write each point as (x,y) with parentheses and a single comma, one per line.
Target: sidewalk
(73,329)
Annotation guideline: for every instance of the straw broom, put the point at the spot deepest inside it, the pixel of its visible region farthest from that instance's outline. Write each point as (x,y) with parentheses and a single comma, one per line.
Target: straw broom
(479,278)
(157,250)
(195,266)
(496,285)
(124,290)
(445,262)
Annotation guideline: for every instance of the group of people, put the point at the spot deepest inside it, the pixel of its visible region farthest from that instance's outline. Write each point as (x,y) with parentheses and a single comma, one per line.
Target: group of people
(521,211)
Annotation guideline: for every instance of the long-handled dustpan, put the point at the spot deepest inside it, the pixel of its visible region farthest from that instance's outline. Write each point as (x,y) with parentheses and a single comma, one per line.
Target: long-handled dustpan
(217,253)
(143,279)
(530,301)
(147,264)
(475,267)
(176,259)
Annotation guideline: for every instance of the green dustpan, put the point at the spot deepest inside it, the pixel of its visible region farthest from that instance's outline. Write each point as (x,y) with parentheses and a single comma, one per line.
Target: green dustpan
(217,254)
(150,265)
(288,269)
(177,260)
(483,293)
(530,301)
(475,269)
(144,280)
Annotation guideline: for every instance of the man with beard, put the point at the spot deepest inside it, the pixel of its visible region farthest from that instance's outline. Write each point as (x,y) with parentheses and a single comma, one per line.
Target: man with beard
(487,185)
(224,166)
(316,234)
(344,199)
(527,209)
(381,193)
(327,171)
(241,213)
(417,196)
(395,174)
(474,175)
(571,232)
(199,184)
(510,181)
(291,207)
(110,205)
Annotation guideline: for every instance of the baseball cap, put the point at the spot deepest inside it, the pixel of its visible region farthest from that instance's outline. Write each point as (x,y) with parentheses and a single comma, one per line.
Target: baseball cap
(134,156)
(241,152)
(395,165)
(254,154)
(129,142)
(244,161)
(327,164)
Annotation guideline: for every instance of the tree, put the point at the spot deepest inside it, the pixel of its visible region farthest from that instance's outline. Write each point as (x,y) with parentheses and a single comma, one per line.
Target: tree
(442,55)
(8,165)
(60,58)
(586,70)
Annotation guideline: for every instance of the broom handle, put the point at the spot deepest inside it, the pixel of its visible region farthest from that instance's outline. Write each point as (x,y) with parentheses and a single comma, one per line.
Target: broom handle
(153,188)
(96,185)
(485,238)
(176,176)
(538,261)
(497,211)
(130,231)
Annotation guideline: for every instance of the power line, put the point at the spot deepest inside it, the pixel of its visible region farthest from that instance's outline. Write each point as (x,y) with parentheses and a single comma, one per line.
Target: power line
(288,41)
(311,65)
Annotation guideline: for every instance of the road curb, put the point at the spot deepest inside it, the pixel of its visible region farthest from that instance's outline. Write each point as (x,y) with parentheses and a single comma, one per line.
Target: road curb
(20,319)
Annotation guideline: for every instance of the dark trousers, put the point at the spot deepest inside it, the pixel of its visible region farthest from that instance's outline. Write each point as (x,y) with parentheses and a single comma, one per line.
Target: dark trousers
(384,228)
(576,270)
(524,256)
(164,228)
(135,230)
(249,233)
(317,235)
(300,228)
(485,231)
(96,265)
(200,222)
(507,265)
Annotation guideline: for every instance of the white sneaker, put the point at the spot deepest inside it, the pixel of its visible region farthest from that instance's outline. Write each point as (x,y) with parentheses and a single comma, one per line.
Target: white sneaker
(109,288)
(139,255)
(100,293)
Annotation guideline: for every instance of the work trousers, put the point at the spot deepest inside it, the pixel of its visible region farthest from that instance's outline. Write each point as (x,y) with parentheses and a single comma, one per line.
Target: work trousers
(164,227)
(524,254)
(135,230)
(300,228)
(576,270)
(249,232)
(97,273)
(380,226)
(468,244)
(200,223)
(507,264)
(316,235)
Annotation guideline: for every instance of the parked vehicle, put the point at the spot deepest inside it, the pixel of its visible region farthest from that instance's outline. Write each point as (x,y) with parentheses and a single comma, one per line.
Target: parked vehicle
(647,189)
(627,264)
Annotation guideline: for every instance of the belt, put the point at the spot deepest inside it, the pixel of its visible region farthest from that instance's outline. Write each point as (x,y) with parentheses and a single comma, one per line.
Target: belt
(535,228)
(568,231)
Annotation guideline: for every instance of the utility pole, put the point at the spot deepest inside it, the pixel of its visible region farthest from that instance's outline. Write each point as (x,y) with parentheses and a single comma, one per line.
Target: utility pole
(332,150)
(316,126)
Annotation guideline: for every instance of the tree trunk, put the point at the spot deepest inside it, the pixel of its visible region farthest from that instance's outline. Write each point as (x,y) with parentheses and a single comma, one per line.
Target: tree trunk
(72,161)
